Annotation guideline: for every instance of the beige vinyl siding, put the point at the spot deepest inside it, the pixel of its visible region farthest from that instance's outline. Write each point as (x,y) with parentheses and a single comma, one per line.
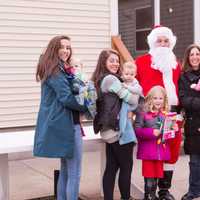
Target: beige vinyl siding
(25,29)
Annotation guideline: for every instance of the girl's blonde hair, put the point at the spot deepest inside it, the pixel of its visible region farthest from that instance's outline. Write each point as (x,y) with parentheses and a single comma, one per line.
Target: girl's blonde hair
(148,105)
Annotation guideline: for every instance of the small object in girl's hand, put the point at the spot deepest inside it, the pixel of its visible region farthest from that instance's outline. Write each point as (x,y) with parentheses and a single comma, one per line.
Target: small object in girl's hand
(167,128)
(159,141)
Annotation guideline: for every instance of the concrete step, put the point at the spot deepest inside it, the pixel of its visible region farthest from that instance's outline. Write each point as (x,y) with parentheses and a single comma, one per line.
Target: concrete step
(34,178)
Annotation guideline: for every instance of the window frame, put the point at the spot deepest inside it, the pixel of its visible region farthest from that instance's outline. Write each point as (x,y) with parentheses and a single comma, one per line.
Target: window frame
(142,29)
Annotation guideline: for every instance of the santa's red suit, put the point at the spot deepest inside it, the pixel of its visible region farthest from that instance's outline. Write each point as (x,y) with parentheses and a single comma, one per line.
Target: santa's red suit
(149,77)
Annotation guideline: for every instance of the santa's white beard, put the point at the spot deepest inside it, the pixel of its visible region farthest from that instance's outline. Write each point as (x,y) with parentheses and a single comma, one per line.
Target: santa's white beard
(164,60)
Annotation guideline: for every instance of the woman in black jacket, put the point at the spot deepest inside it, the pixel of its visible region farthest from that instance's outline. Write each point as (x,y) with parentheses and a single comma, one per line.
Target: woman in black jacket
(111,93)
(189,96)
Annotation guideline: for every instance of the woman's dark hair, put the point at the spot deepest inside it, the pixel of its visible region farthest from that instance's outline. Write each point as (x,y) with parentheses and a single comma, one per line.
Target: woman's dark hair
(186,63)
(101,69)
(48,61)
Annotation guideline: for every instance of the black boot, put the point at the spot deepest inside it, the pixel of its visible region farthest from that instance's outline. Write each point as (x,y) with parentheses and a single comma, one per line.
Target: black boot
(150,187)
(164,185)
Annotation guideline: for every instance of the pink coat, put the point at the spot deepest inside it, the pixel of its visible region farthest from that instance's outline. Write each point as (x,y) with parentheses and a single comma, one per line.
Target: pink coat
(148,146)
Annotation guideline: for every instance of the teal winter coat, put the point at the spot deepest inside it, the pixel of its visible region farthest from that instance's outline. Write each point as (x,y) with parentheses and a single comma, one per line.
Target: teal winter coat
(54,134)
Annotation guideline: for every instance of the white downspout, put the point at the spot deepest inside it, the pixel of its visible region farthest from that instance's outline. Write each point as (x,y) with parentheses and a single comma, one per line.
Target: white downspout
(114,18)
(196,22)
(156,12)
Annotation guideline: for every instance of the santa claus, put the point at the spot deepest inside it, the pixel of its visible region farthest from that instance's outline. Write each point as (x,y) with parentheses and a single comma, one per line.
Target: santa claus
(160,67)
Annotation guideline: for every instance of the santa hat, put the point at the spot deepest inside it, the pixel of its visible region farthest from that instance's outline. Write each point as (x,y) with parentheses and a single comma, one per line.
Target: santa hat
(161,31)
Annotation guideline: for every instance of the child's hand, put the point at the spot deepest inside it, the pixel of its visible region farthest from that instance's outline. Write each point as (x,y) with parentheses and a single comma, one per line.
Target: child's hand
(130,115)
(196,86)
(156,132)
(125,85)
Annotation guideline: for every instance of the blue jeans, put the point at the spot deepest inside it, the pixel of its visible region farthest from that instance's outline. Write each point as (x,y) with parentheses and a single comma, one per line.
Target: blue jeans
(194,176)
(70,172)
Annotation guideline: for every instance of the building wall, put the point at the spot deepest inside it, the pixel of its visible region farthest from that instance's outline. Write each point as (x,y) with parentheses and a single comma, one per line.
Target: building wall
(25,28)
(127,21)
(180,20)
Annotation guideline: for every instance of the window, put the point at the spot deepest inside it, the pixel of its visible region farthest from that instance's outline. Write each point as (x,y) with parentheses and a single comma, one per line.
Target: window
(143,27)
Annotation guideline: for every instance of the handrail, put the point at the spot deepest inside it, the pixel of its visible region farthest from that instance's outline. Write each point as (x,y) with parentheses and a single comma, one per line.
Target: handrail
(118,45)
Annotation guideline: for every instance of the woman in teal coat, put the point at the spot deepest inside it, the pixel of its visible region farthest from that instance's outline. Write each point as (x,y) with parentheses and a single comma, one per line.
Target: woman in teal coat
(58,132)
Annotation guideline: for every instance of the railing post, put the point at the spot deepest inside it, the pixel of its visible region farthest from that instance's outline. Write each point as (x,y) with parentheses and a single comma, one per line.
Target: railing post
(118,44)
